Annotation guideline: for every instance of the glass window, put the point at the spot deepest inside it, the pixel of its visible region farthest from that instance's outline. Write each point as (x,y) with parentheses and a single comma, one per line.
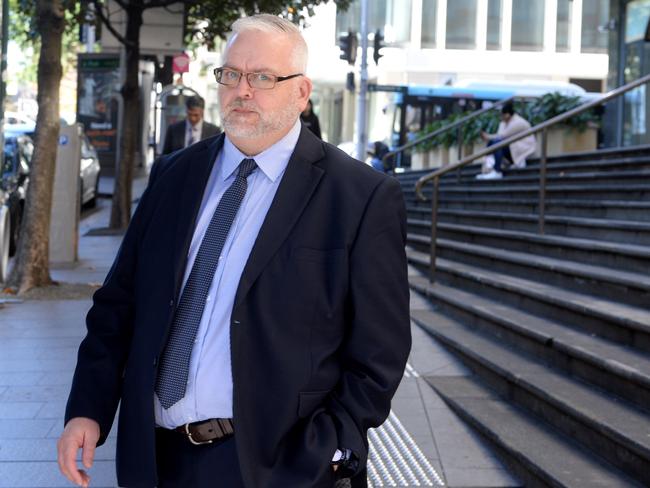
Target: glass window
(563,36)
(429,18)
(393,17)
(494,25)
(461,24)
(527,25)
(637,13)
(594,14)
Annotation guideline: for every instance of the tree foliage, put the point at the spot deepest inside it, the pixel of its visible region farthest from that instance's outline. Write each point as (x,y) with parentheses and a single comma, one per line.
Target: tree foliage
(211,20)
(23,30)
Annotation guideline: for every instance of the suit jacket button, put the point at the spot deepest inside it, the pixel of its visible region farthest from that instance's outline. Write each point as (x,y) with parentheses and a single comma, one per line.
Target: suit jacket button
(171,303)
(155,361)
(236,322)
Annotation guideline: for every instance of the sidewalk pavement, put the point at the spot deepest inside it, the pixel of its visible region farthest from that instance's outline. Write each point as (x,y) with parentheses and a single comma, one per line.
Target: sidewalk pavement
(38,344)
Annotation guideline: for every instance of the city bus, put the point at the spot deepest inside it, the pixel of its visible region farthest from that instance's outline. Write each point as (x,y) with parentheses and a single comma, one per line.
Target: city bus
(398,112)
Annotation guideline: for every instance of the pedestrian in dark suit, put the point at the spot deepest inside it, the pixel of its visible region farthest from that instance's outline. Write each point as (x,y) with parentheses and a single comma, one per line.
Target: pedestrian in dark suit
(310,119)
(192,129)
(255,322)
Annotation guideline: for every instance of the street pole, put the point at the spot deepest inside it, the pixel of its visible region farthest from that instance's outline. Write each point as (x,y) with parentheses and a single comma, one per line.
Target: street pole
(362,136)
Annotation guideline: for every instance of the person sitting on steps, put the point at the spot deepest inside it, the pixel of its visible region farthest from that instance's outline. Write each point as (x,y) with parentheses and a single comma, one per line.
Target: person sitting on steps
(516,153)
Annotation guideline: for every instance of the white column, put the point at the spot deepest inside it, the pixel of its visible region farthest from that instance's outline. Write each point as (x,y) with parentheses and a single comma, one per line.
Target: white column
(506,25)
(576,26)
(441,24)
(481,24)
(550,25)
(416,24)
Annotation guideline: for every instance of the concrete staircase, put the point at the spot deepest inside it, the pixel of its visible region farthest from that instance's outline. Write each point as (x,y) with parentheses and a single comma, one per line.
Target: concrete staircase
(556,327)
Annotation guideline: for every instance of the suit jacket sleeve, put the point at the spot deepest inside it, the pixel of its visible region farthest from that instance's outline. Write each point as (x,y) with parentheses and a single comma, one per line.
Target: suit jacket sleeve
(379,337)
(169,143)
(102,356)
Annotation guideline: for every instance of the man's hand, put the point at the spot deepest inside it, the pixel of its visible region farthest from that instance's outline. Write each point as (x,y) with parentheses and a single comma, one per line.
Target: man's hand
(485,136)
(79,432)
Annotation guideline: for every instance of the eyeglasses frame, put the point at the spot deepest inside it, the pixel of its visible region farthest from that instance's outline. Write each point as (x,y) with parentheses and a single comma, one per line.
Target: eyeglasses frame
(278,79)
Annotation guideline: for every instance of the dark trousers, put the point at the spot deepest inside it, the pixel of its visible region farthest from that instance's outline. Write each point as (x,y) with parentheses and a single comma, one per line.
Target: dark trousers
(499,154)
(184,465)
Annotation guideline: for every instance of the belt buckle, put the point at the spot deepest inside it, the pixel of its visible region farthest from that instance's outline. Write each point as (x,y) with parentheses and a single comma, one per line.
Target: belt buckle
(189,436)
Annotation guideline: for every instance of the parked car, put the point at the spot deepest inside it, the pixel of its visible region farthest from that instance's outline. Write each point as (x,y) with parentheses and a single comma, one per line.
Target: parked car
(88,173)
(88,165)
(15,179)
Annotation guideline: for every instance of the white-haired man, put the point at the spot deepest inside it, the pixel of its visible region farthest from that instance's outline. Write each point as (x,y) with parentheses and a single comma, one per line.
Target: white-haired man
(255,322)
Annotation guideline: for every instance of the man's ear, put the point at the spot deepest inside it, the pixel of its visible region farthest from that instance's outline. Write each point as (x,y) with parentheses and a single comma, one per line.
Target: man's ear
(304,91)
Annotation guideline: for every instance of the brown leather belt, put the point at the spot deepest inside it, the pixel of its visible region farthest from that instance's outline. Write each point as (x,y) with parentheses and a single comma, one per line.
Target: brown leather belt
(207,431)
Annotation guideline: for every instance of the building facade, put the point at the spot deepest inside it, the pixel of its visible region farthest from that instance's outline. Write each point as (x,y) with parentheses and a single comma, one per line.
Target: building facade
(431,42)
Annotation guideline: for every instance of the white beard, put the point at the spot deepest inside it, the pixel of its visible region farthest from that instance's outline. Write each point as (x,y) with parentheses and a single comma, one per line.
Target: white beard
(276,121)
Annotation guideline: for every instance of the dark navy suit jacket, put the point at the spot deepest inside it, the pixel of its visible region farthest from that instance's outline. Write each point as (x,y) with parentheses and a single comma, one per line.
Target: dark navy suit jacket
(175,135)
(319,330)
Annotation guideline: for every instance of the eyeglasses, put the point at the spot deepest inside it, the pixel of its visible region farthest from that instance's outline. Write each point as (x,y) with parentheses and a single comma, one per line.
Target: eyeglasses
(259,81)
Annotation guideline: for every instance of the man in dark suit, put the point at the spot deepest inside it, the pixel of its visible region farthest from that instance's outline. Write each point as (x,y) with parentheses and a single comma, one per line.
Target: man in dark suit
(255,322)
(192,129)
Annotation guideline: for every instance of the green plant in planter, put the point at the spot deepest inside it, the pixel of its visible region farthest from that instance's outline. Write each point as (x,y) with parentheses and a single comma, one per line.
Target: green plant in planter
(552,104)
(429,143)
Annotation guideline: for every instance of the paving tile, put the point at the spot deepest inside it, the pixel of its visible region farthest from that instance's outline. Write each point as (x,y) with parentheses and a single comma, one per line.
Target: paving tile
(20,378)
(38,365)
(479,478)
(47,475)
(52,410)
(24,429)
(40,393)
(45,450)
(19,410)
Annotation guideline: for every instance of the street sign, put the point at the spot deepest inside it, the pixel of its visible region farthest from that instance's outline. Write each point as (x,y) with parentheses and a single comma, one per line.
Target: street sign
(181,63)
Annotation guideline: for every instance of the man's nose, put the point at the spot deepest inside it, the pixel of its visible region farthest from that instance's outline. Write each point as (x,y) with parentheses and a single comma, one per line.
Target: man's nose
(244,90)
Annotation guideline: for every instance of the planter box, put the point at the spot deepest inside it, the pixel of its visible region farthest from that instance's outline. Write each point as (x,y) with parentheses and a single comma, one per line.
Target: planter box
(434,158)
(562,140)
(453,152)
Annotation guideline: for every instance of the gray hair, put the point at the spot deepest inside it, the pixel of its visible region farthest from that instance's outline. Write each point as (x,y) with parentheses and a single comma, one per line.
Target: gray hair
(273,24)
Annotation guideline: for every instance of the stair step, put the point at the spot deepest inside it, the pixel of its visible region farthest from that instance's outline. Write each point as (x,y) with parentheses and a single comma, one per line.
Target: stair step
(617,255)
(607,230)
(610,427)
(503,187)
(636,318)
(614,367)
(537,455)
(627,287)
(635,211)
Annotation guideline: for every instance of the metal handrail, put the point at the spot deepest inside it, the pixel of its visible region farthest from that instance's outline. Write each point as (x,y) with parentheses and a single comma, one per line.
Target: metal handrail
(543,127)
(456,124)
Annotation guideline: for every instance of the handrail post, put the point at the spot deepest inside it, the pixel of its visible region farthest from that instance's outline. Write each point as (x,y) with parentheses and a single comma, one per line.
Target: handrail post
(542,180)
(434,228)
(459,141)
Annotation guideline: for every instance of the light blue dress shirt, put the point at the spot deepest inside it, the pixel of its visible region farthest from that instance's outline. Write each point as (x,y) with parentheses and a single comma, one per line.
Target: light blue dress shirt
(209,387)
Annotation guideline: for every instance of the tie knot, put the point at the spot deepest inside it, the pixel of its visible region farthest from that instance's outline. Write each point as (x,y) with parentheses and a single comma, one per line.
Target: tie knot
(246,167)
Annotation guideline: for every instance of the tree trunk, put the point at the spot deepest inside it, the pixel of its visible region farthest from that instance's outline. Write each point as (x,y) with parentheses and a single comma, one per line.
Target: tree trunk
(121,208)
(31,266)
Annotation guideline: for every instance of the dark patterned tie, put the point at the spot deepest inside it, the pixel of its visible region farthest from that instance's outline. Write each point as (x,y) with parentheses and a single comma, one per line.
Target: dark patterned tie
(175,361)
(190,140)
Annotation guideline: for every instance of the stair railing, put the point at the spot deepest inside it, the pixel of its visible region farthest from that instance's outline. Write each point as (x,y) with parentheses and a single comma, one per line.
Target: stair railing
(434,176)
(458,125)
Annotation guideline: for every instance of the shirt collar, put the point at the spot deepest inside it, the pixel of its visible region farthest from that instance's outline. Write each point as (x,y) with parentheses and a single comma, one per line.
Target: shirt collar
(195,128)
(272,161)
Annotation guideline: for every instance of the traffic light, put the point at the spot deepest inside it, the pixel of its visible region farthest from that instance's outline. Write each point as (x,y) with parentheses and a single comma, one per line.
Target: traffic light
(348,43)
(378,44)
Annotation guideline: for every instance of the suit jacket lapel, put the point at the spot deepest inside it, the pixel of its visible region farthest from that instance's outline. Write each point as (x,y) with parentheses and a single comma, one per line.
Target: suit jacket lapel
(199,166)
(298,183)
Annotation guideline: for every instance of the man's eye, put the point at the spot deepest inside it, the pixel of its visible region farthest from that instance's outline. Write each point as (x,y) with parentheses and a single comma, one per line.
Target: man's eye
(230,75)
(263,77)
